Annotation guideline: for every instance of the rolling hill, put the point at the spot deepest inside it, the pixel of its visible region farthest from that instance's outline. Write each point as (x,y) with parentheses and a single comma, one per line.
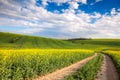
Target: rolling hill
(17,41)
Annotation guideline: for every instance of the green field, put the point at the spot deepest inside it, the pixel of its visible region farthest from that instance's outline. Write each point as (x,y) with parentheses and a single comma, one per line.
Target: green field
(17,41)
(23,57)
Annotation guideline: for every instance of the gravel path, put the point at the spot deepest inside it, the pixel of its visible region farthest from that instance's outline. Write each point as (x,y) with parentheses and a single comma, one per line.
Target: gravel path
(61,73)
(107,71)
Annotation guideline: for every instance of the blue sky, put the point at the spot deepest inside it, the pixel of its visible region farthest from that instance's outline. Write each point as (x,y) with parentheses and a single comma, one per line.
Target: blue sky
(61,18)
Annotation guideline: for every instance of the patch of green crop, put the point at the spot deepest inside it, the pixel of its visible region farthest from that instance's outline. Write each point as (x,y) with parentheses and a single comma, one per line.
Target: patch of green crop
(88,71)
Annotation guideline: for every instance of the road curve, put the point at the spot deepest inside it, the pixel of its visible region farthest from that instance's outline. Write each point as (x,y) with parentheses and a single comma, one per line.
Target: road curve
(61,73)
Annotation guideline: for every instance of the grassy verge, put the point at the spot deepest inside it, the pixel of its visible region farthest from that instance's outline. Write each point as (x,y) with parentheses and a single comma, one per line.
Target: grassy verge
(88,71)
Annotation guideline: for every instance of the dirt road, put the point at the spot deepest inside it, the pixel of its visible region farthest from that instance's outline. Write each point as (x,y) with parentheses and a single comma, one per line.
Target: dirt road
(107,71)
(61,73)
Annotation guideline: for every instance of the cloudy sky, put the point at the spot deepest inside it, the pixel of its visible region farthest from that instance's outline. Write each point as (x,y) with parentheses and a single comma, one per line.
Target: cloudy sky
(61,18)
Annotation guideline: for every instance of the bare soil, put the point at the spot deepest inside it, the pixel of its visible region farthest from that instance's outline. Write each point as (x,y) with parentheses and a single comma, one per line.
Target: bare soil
(107,70)
(61,73)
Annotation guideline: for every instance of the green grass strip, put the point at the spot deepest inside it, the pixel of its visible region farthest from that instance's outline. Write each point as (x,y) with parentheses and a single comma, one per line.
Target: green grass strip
(88,71)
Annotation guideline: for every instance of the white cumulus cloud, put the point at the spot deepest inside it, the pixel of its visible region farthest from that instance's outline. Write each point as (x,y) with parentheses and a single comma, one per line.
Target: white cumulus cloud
(73,5)
(65,25)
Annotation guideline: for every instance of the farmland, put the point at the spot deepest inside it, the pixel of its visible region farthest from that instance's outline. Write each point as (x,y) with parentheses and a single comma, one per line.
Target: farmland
(26,57)
(19,64)
(17,41)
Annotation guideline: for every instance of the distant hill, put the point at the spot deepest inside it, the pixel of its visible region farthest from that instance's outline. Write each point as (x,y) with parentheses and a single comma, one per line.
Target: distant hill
(80,39)
(9,40)
(17,41)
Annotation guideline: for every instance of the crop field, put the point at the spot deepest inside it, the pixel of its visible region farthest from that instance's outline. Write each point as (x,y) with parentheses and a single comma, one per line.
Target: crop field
(21,64)
(25,57)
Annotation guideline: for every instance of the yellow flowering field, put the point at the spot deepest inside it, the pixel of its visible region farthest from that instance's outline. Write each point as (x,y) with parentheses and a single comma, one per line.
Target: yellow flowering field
(25,63)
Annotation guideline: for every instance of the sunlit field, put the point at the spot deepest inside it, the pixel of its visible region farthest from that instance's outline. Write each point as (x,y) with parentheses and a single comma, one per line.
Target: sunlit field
(26,57)
(59,39)
(26,63)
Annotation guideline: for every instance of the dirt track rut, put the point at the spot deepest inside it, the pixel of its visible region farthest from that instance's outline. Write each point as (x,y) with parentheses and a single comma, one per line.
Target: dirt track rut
(107,71)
